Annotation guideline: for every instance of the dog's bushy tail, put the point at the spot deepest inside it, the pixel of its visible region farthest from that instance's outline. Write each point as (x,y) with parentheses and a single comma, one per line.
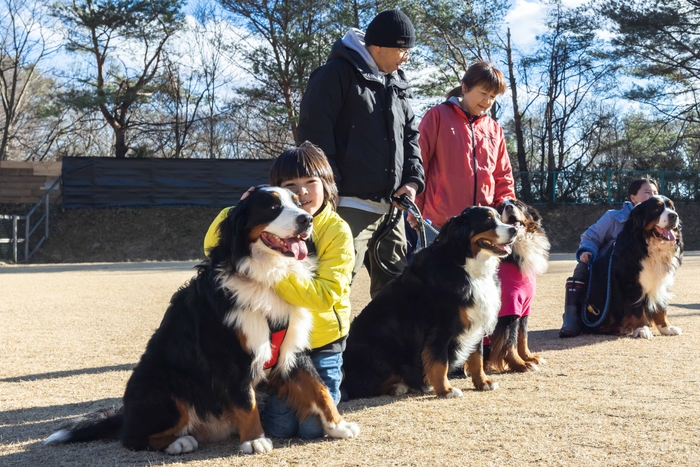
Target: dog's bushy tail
(103,424)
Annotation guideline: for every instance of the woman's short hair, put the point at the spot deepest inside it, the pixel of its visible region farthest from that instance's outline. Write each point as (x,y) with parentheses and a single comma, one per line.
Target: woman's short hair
(481,74)
(306,160)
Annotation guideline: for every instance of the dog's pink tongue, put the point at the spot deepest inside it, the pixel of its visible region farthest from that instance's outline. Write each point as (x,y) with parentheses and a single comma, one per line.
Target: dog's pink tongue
(670,236)
(667,234)
(298,247)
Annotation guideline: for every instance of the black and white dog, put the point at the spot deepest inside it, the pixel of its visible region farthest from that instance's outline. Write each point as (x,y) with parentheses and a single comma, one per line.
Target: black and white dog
(630,287)
(432,318)
(196,380)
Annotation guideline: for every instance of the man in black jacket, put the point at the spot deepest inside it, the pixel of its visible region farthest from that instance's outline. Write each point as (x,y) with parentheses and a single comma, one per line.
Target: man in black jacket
(356,109)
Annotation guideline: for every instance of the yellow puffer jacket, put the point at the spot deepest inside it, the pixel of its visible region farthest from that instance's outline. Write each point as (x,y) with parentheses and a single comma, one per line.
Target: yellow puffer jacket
(327,295)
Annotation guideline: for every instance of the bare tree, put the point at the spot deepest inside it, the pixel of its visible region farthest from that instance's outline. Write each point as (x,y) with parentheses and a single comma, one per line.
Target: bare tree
(210,35)
(280,44)
(107,30)
(23,45)
(453,35)
(569,71)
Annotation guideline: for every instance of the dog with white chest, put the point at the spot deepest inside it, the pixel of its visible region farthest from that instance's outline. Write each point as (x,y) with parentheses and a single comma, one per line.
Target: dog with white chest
(196,380)
(630,288)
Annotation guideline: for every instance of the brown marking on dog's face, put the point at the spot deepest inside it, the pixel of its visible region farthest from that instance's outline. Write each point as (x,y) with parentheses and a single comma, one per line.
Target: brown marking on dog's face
(255,232)
(435,372)
(515,212)
(162,440)
(305,392)
(490,236)
(653,217)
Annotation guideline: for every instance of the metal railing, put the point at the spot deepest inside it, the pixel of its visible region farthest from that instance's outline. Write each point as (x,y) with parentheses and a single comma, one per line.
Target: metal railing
(603,186)
(16,240)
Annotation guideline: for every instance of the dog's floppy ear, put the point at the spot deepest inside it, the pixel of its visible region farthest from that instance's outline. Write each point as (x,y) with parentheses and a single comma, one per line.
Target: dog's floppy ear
(637,218)
(502,205)
(456,231)
(448,230)
(535,215)
(233,243)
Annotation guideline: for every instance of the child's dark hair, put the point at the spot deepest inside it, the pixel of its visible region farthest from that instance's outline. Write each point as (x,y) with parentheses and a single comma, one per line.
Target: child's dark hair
(637,184)
(481,74)
(307,160)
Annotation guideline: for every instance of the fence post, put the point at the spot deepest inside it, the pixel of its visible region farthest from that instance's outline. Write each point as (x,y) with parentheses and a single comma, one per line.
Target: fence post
(663,185)
(14,238)
(26,238)
(46,230)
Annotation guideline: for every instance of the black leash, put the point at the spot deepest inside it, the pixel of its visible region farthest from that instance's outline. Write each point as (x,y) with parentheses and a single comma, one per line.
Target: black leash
(392,220)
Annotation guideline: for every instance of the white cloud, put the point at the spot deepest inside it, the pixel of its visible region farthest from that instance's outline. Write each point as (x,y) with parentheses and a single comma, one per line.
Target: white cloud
(526,21)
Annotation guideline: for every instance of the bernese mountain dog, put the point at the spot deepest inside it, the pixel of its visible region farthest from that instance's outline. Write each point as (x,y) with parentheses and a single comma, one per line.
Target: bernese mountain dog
(196,380)
(630,285)
(433,317)
(507,348)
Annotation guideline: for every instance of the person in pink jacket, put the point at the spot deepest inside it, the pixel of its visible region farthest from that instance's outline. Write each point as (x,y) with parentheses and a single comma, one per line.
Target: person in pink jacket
(464,156)
(464,152)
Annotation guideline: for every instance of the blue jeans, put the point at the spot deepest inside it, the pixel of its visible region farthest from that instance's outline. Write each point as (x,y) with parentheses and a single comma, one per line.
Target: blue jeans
(278,418)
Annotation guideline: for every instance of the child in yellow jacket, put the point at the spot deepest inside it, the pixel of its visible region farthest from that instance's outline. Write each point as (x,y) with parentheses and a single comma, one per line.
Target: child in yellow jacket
(305,171)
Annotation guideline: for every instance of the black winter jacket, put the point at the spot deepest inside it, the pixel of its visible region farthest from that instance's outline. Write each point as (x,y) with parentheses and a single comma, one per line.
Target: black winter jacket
(366,127)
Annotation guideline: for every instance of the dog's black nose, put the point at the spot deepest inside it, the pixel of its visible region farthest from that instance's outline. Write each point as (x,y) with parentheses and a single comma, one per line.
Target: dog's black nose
(512,231)
(672,218)
(304,220)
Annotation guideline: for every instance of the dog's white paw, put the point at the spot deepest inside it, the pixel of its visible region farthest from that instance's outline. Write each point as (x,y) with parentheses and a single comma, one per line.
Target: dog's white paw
(533,366)
(400,389)
(644,332)
(543,361)
(182,445)
(670,330)
(343,430)
(256,446)
(490,386)
(456,392)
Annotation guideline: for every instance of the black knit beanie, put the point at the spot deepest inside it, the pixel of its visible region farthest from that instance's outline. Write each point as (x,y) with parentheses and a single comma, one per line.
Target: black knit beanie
(391,28)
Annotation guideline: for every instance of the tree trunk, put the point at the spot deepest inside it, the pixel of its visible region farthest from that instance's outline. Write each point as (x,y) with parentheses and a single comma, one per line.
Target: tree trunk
(120,147)
(526,193)
(290,111)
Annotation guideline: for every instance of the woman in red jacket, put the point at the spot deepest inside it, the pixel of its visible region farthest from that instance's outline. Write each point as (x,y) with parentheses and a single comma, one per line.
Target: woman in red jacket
(464,153)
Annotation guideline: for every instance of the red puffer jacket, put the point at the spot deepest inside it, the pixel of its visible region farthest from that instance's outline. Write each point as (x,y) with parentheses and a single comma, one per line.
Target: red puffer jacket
(465,161)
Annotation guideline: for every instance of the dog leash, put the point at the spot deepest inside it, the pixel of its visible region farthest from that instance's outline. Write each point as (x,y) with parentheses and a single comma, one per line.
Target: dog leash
(392,220)
(584,310)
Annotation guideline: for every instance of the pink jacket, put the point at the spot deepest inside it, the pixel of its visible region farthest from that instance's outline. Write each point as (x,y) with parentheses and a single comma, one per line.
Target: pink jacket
(447,140)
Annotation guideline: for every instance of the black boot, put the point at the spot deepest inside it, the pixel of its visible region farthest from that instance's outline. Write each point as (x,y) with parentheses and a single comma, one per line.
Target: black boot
(575,291)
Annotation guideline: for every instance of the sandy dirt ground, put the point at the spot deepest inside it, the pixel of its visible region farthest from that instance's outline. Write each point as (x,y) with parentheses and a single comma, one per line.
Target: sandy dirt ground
(70,334)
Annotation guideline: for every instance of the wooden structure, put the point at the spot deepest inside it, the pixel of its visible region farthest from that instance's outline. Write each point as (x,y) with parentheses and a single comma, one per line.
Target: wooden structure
(27,182)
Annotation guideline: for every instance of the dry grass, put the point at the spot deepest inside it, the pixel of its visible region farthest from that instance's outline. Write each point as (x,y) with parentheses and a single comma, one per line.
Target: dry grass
(70,335)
